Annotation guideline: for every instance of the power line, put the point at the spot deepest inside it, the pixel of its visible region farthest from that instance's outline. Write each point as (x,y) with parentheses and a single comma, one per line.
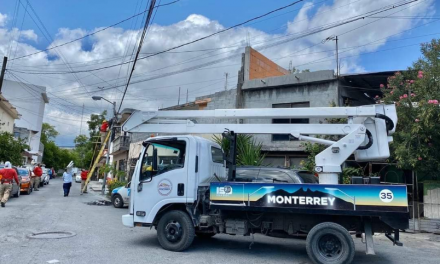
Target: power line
(91,34)
(141,42)
(184,44)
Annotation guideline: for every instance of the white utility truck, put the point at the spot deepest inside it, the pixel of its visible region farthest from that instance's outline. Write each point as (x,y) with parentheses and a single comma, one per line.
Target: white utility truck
(185,186)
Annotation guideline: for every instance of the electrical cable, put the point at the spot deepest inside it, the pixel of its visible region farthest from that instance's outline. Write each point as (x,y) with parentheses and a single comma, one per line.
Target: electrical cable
(88,35)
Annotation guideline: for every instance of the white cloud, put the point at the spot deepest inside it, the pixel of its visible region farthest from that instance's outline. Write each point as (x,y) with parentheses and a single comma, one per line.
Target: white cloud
(108,47)
(3,19)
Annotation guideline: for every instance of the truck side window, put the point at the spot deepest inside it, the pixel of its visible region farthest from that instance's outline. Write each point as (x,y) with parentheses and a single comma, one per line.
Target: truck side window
(217,155)
(147,164)
(170,156)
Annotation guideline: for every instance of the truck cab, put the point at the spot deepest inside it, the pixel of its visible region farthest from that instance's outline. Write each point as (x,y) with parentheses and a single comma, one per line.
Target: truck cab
(168,174)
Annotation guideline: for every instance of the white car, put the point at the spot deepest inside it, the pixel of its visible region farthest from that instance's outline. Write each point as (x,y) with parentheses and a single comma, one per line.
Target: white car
(45,177)
(78,178)
(121,196)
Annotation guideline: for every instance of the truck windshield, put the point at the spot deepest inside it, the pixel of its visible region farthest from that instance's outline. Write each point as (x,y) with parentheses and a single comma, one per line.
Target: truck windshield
(170,156)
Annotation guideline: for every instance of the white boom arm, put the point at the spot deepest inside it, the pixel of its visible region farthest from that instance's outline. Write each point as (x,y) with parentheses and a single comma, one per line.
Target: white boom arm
(328,163)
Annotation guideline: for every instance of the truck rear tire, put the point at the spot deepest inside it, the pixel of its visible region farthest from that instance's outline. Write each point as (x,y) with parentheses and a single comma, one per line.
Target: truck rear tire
(330,243)
(175,231)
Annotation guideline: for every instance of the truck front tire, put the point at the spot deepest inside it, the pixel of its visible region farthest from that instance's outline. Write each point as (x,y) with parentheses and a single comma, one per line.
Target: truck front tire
(330,243)
(175,231)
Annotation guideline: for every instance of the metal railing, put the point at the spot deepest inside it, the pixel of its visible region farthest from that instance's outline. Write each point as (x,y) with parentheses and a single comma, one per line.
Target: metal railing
(121,143)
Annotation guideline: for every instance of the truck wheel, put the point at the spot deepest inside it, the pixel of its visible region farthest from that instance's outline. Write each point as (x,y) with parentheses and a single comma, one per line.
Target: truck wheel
(175,231)
(330,243)
(204,235)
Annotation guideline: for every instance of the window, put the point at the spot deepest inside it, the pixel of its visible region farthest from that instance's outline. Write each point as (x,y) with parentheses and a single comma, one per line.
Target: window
(287,137)
(273,176)
(217,155)
(121,165)
(170,156)
(17,135)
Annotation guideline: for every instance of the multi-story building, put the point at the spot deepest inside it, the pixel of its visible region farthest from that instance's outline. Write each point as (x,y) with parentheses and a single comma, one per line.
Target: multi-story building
(30,100)
(264,84)
(8,115)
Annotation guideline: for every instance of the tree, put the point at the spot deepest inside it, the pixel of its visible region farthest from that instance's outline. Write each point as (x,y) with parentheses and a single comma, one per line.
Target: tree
(11,148)
(48,133)
(83,150)
(95,123)
(416,94)
(248,150)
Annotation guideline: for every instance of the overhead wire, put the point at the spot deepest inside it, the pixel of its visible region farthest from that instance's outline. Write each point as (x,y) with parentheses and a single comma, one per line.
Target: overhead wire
(88,35)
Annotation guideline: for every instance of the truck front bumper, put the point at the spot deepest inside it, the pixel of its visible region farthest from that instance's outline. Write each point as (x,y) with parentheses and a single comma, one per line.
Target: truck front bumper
(127,220)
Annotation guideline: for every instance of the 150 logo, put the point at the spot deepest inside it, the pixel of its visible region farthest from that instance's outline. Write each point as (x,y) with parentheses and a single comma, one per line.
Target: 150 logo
(224,191)
(386,196)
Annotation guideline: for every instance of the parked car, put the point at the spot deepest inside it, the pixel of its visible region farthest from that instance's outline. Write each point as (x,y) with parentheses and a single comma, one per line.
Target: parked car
(45,177)
(121,196)
(25,186)
(273,175)
(78,178)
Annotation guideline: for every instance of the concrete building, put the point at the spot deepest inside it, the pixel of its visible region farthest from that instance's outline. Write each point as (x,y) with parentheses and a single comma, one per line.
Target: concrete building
(8,115)
(120,144)
(30,100)
(263,84)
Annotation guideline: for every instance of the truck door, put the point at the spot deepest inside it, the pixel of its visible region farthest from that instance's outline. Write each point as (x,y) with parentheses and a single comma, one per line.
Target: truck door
(162,178)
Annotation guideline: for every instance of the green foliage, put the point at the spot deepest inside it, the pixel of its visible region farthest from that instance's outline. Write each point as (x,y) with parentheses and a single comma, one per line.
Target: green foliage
(48,133)
(348,172)
(95,123)
(84,150)
(113,184)
(248,150)
(11,148)
(108,168)
(416,94)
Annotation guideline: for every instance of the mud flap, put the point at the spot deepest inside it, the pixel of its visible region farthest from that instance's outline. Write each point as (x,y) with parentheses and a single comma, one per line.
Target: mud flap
(369,237)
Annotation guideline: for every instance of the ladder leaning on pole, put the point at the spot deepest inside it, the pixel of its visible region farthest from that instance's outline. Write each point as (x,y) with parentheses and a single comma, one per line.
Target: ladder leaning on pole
(101,151)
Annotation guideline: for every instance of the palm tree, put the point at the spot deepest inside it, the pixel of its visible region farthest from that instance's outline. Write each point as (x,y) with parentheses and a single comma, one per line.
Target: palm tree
(248,149)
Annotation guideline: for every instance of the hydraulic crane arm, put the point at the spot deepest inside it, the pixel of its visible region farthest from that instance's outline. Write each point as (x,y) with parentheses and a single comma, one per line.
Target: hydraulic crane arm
(366,134)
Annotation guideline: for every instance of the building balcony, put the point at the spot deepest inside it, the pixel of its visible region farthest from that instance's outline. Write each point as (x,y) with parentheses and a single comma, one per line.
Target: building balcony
(120,144)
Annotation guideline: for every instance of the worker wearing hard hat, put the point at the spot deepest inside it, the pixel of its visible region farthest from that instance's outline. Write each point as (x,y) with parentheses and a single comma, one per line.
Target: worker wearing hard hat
(7,175)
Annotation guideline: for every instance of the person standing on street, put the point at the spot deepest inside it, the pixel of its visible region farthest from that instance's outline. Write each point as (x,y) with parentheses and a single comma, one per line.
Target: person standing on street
(8,174)
(36,178)
(67,182)
(84,174)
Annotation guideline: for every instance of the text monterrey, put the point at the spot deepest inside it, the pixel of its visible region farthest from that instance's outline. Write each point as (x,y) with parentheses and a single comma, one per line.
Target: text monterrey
(302,200)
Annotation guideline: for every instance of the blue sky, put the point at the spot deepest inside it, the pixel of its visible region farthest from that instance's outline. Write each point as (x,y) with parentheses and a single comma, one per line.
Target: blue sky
(187,20)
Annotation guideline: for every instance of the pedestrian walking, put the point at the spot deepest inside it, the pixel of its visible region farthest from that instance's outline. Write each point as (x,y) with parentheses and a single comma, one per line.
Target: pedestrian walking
(84,174)
(36,177)
(49,172)
(67,182)
(7,175)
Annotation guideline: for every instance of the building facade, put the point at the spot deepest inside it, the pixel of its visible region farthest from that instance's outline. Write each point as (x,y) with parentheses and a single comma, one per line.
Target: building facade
(8,115)
(30,100)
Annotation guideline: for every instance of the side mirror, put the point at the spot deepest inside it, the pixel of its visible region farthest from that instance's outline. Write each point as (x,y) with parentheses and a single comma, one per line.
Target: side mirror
(154,165)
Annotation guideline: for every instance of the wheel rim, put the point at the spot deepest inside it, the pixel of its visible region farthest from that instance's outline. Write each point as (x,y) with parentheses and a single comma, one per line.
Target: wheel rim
(330,246)
(117,201)
(173,231)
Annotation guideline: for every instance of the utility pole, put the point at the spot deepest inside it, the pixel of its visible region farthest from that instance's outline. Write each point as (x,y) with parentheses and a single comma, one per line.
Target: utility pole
(226,81)
(2,75)
(82,115)
(178,100)
(335,38)
(186,95)
(337,59)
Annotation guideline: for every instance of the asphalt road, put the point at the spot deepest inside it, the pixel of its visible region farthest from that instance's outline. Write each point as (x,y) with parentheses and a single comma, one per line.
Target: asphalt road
(101,238)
